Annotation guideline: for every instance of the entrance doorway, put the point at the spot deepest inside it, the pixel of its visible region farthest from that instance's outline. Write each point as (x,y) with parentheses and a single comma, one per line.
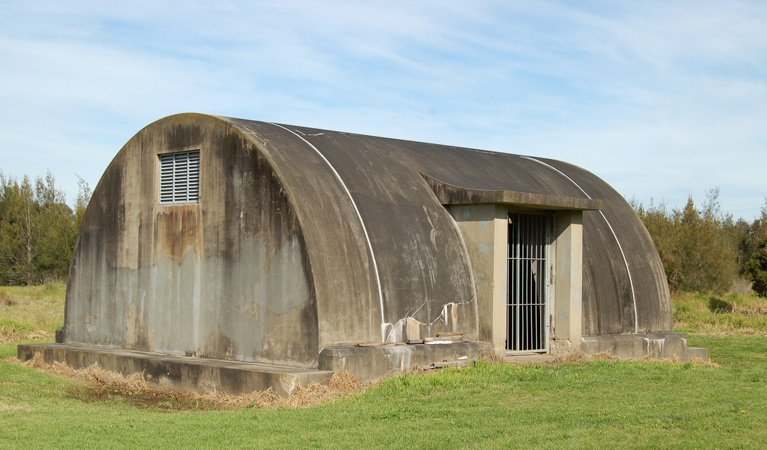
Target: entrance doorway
(527,305)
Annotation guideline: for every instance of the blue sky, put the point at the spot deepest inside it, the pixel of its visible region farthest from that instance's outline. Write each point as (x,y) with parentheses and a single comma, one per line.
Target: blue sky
(661,99)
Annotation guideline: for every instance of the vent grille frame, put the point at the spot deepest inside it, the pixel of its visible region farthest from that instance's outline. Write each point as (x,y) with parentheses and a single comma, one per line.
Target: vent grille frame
(179,180)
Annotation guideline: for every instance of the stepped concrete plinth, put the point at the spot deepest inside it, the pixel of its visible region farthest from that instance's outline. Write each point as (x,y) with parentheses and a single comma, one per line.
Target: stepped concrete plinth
(182,373)
(643,345)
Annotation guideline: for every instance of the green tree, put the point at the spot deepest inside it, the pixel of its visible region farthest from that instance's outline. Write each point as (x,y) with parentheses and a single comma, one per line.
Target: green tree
(706,258)
(696,246)
(55,221)
(37,229)
(757,269)
(18,213)
(748,239)
(662,230)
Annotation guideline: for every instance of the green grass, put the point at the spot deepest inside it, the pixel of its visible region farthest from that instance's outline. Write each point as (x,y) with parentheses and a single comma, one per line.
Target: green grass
(601,404)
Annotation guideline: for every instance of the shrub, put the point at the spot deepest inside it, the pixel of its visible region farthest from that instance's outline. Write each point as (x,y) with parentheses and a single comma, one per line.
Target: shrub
(757,269)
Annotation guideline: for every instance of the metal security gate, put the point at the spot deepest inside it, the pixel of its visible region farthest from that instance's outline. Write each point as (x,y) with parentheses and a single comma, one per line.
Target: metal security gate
(527,311)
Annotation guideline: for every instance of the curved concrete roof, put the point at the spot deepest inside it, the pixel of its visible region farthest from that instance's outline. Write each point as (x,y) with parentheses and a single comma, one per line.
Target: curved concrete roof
(389,181)
(357,221)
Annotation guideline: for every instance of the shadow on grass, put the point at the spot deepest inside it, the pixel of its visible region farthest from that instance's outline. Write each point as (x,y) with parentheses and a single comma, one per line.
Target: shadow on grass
(718,306)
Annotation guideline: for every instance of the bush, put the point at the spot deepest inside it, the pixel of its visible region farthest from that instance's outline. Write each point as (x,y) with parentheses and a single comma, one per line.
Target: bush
(698,253)
(757,269)
(37,229)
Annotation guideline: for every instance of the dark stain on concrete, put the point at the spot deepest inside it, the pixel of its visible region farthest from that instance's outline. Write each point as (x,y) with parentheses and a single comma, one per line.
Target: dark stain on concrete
(183,136)
(218,346)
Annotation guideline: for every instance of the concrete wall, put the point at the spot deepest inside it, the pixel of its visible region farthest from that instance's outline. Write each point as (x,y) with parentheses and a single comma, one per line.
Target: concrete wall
(307,239)
(383,250)
(276,261)
(567,287)
(227,277)
(485,232)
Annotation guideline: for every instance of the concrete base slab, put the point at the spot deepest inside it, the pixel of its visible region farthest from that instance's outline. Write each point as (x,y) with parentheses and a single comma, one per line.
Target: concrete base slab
(652,345)
(374,363)
(536,358)
(182,373)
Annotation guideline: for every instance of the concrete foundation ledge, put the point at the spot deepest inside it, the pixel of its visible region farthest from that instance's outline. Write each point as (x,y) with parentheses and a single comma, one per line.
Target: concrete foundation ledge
(374,363)
(697,352)
(182,373)
(652,345)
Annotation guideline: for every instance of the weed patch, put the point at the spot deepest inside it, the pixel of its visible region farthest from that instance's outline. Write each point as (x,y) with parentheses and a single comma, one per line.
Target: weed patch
(733,314)
(31,312)
(6,299)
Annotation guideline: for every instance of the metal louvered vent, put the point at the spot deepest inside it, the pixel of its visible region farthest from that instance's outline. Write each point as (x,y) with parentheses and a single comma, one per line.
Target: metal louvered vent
(180,177)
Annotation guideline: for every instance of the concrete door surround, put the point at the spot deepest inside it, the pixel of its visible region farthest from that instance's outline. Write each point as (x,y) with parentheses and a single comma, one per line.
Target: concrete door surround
(485,231)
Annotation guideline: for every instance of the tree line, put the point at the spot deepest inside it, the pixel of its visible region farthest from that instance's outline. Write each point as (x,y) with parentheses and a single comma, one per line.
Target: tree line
(705,250)
(702,249)
(37,229)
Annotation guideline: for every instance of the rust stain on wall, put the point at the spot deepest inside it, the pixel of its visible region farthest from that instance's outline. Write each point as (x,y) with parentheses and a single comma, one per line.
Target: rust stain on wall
(177,231)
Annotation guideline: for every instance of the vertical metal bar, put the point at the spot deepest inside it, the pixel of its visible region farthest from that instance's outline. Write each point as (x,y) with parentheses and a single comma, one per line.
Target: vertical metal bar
(547,300)
(542,280)
(518,251)
(509,283)
(512,286)
(515,296)
(537,282)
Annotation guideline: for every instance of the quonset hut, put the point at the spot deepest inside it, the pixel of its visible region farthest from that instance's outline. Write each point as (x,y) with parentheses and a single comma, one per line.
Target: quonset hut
(227,254)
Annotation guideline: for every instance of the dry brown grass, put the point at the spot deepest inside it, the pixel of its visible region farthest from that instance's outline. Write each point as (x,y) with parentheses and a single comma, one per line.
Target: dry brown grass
(607,356)
(6,299)
(95,383)
(576,357)
(751,310)
(342,385)
(10,334)
(4,407)
(490,357)
(695,361)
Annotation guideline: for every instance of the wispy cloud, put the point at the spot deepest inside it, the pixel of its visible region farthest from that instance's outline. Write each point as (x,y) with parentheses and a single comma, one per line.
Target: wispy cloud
(662,99)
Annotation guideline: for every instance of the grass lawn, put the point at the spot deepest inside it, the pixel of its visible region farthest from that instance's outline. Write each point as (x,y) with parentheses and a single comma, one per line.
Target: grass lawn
(598,404)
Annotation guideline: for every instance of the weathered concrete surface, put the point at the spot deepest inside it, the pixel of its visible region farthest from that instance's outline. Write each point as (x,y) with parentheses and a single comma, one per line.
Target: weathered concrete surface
(201,375)
(225,278)
(455,195)
(306,239)
(374,363)
(484,228)
(416,263)
(636,346)
(567,286)
(616,299)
